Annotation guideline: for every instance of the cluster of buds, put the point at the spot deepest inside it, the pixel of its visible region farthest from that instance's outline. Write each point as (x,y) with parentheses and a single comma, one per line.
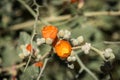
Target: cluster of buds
(72,57)
(86,48)
(26,50)
(29,49)
(65,34)
(78,41)
(108,54)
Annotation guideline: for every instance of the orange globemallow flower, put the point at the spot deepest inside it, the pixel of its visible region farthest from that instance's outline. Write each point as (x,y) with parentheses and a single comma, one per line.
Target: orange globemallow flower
(29,47)
(73,1)
(49,32)
(39,64)
(63,48)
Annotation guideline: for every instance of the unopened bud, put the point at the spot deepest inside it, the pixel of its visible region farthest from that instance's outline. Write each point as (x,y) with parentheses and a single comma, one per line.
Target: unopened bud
(49,41)
(61,33)
(73,58)
(80,39)
(71,66)
(86,47)
(75,42)
(67,34)
(69,59)
(108,54)
(40,41)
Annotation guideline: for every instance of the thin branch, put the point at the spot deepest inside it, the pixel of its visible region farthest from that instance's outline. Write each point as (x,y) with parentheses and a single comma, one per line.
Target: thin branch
(27,7)
(94,49)
(77,47)
(40,74)
(31,22)
(80,71)
(98,52)
(61,18)
(85,68)
(33,34)
(45,55)
(102,13)
(112,42)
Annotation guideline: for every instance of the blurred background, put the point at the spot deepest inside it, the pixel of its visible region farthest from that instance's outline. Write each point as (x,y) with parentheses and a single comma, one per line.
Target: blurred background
(93,19)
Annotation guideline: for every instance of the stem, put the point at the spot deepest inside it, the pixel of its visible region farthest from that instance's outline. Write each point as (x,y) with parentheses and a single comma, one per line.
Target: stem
(94,49)
(102,13)
(79,73)
(112,42)
(98,52)
(46,54)
(85,68)
(33,34)
(77,47)
(40,74)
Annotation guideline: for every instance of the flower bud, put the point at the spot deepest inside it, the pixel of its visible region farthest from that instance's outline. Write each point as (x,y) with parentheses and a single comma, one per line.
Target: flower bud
(69,59)
(40,41)
(108,54)
(61,33)
(86,47)
(80,39)
(73,58)
(67,34)
(49,41)
(75,42)
(71,66)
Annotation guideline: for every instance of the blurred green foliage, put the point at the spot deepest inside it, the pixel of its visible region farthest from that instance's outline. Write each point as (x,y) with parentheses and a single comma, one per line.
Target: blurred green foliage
(95,29)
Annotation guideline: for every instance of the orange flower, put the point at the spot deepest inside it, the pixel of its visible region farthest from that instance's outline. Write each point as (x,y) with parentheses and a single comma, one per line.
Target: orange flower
(63,48)
(39,64)
(73,1)
(29,47)
(49,32)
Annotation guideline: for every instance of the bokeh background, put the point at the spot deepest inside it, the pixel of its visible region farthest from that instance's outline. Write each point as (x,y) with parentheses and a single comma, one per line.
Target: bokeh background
(96,29)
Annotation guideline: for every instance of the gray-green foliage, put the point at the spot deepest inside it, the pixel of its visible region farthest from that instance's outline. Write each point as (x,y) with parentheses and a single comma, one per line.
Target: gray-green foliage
(95,30)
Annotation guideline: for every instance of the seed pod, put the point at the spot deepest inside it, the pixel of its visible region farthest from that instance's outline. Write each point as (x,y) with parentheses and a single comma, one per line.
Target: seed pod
(63,48)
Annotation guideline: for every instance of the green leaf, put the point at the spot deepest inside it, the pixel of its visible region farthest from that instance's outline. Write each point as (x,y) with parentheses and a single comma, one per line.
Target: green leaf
(31,73)
(24,38)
